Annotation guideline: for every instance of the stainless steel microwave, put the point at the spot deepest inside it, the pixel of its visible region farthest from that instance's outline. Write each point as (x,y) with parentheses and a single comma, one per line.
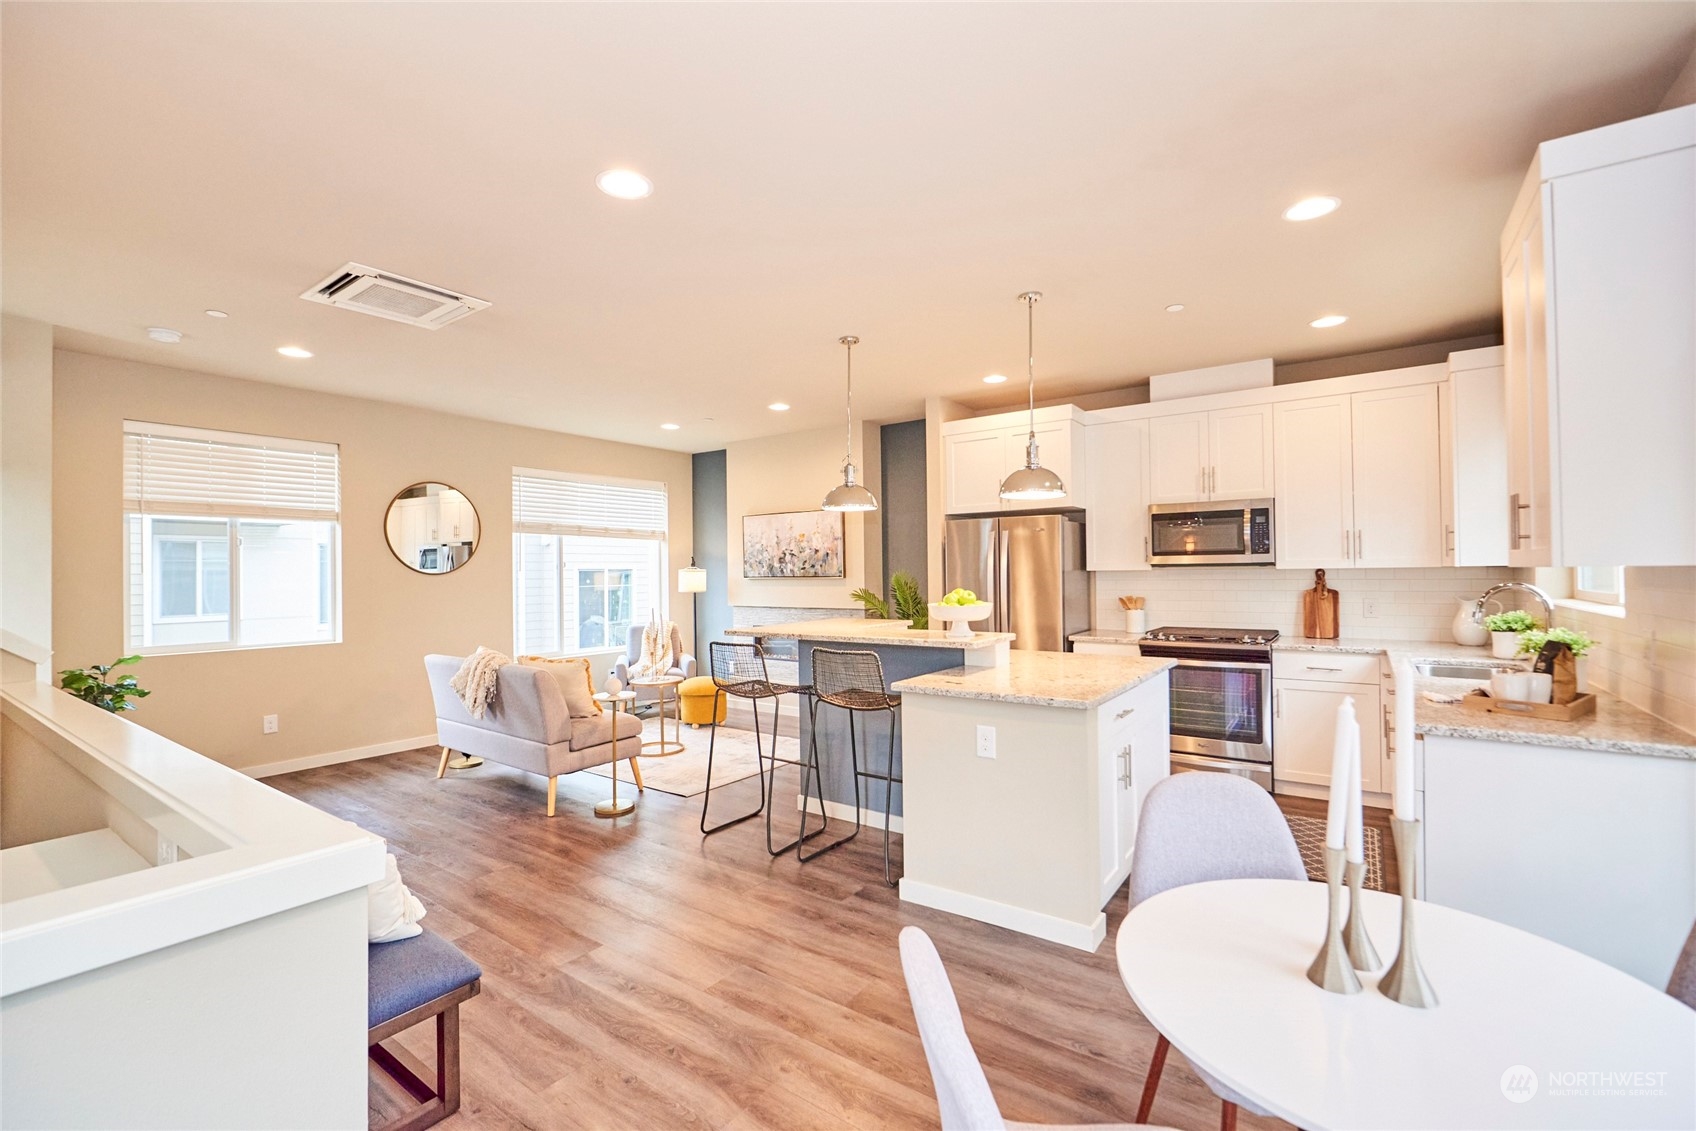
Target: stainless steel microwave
(1238,532)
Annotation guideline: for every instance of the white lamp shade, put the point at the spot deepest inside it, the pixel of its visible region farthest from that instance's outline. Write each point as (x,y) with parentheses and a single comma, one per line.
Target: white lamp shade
(691,579)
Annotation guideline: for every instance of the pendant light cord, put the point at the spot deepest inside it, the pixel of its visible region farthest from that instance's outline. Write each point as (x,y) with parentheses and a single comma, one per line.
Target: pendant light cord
(848,425)
(1030,357)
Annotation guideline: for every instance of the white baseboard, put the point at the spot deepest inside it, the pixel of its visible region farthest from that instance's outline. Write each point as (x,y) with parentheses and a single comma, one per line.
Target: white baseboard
(870,818)
(1034,923)
(335,757)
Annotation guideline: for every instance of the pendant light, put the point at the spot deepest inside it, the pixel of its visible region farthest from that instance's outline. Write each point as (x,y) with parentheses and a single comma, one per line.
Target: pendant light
(1032,481)
(849,495)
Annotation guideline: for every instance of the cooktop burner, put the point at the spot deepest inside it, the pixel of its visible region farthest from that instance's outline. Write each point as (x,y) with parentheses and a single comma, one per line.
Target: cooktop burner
(1213,636)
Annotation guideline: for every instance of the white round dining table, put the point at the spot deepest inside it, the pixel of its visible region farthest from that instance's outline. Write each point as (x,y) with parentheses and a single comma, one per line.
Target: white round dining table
(1526,1033)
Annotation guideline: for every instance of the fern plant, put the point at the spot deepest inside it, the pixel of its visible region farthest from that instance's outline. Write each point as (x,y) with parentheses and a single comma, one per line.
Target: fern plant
(909,603)
(91,686)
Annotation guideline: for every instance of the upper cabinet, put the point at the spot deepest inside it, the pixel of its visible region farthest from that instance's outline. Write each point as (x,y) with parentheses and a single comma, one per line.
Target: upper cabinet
(1202,456)
(1475,440)
(979,452)
(1359,480)
(1116,534)
(1599,334)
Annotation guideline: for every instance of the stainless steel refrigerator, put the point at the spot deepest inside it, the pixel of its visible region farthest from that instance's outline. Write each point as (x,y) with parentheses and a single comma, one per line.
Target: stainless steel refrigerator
(1031,566)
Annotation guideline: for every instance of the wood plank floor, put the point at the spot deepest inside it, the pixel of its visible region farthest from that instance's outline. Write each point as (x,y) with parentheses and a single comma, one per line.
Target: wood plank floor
(637,975)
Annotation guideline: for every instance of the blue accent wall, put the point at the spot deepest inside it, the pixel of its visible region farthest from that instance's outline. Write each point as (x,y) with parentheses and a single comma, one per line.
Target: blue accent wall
(711,548)
(903,502)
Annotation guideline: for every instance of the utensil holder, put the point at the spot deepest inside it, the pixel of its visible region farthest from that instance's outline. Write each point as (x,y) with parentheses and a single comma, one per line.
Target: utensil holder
(1331,969)
(1136,620)
(1405,981)
(1362,954)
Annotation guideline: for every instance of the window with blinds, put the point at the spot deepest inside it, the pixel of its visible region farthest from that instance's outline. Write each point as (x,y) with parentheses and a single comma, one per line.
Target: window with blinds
(588,558)
(232,540)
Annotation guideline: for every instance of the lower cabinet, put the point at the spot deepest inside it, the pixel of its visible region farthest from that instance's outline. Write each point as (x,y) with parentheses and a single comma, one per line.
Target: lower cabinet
(1133,745)
(1304,730)
(1106,648)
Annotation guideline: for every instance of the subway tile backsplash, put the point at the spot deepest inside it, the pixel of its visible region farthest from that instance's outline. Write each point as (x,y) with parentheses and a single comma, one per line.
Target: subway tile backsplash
(1408,604)
(1647,657)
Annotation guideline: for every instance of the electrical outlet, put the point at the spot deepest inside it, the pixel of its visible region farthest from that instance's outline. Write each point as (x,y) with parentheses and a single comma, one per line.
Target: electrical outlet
(167,853)
(986,741)
(1369,608)
(270,724)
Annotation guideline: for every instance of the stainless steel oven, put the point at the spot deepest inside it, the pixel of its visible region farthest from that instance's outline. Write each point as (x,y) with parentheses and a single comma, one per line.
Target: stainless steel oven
(1221,699)
(1218,533)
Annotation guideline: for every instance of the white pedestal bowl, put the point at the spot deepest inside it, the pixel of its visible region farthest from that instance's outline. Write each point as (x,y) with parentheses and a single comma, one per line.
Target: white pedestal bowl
(958,618)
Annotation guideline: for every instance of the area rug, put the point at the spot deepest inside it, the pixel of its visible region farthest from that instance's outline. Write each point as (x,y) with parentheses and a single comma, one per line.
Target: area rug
(1310,838)
(685,774)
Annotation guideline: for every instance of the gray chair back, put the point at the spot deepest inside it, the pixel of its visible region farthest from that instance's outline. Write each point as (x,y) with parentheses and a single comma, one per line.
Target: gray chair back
(962,1091)
(1682,984)
(1196,827)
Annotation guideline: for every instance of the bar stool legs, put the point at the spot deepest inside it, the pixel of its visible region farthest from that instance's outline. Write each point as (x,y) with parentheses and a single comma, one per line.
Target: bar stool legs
(890,781)
(768,785)
(813,774)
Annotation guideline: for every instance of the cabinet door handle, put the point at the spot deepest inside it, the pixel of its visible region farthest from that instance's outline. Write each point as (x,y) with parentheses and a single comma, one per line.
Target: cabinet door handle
(1449,539)
(1125,761)
(1125,714)
(1321,668)
(1278,703)
(1346,545)
(1517,506)
(1358,553)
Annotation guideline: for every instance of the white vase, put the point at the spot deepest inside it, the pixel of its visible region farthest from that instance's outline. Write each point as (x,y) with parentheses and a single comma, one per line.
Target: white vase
(1504,645)
(1468,627)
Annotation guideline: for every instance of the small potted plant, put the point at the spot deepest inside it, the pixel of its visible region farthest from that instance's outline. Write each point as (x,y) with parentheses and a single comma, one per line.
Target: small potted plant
(91,686)
(1531,643)
(1505,630)
(904,593)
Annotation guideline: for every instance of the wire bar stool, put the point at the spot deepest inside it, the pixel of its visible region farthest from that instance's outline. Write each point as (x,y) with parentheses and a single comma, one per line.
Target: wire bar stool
(853,682)
(740,670)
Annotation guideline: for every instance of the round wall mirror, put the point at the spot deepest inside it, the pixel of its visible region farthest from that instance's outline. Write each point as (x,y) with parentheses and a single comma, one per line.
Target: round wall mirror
(432,528)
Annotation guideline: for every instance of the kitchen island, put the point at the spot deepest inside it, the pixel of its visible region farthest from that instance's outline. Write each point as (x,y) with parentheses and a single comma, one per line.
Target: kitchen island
(1024,786)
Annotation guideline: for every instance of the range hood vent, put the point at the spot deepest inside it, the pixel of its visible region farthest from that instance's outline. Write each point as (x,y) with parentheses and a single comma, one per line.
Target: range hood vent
(355,286)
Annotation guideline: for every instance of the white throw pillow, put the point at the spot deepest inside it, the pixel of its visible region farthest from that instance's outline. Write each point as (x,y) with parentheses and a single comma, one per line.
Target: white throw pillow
(576,682)
(392,912)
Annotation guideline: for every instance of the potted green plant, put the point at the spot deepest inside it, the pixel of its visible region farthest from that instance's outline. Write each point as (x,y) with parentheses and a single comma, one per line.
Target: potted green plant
(1505,629)
(904,593)
(91,686)
(1531,643)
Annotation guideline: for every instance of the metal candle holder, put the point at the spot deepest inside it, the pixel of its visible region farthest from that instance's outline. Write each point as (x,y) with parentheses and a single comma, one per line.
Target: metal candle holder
(1362,954)
(1405,981)
(1331,969)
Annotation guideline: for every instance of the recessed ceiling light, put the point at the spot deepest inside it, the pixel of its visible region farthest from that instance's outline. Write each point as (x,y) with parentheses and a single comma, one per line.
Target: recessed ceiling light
(671,427)
(1328,321)
(625,184)
(1175,308)
(216,314)
(778,406)
(293,351)
(1312,208)
(162,334)
(994,379)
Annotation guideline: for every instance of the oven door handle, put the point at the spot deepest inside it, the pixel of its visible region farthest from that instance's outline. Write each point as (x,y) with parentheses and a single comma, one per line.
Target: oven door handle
(1257,665)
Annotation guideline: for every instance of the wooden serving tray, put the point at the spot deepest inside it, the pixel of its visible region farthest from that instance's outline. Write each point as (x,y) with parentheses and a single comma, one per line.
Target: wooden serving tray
(1566,712)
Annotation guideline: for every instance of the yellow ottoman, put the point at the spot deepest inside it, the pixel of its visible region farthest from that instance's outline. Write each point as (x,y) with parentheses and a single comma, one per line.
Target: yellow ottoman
(695,701)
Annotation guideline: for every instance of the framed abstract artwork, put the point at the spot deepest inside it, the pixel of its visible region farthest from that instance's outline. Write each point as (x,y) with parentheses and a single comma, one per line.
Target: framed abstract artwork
(792,544)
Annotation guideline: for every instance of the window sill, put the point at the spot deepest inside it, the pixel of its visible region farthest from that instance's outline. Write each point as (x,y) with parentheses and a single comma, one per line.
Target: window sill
(200,649)
(1577,606)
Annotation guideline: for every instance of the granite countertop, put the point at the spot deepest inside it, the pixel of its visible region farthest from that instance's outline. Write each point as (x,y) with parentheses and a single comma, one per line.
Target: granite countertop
(859,630)
(1412,651)
(1041,679)
(1616,728)
(1106,636)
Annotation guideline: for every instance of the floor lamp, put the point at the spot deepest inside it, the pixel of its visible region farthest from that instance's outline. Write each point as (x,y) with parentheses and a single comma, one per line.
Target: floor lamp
(692,579)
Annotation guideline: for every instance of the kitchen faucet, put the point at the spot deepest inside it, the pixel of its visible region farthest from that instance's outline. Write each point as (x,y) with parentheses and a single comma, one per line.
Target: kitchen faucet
(1548,605)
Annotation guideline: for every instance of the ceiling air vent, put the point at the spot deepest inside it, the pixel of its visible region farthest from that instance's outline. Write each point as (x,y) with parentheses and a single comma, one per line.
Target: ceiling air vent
(395,297)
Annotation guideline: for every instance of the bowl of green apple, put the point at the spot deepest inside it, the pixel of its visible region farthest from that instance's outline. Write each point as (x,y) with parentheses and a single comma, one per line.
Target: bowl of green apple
(958,610)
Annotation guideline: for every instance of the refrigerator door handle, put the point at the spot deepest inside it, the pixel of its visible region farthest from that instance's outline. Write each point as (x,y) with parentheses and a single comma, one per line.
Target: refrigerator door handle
(1003,550)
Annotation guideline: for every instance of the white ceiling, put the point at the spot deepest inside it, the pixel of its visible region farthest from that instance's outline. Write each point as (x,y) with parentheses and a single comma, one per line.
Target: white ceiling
(898,172)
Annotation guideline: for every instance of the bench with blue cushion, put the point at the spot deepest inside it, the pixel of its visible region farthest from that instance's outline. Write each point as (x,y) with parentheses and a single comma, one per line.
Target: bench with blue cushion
(411,981)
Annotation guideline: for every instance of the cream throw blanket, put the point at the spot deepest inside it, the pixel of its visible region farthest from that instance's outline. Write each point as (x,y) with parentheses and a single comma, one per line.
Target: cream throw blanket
(662,647)
(475,682)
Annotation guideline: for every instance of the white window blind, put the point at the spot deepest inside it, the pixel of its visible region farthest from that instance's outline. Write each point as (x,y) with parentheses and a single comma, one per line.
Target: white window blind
(546,502)
(194,471)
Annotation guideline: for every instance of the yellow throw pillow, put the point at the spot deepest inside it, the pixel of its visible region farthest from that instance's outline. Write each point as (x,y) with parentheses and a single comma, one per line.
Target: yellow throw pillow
(575,680)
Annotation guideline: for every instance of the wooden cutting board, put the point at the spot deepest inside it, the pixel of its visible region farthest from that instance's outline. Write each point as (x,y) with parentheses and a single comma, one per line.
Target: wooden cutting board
(1319,610)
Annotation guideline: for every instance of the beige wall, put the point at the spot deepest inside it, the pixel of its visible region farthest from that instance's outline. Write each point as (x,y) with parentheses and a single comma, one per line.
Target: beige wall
(1682,92)
(793,473)
(26,495)
(1648,656)
(369,689)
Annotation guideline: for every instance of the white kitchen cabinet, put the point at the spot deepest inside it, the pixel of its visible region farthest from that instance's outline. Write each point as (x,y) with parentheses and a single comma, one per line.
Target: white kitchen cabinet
(1359,480)
(1314,520)
(1475,459)
(1118,468)
(1398,495)
(1307,689)
(1599,329)
(1135,736)
(978,453)
(1106,648)
(1201,456)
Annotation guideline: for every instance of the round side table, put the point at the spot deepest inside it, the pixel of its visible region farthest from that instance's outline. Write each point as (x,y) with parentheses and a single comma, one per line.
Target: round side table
(624,702)
(666,686)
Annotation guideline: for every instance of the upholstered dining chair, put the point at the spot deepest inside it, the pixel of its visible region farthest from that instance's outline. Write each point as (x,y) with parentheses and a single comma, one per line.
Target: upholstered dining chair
(1197,827)
(962,1090)
(1682,984)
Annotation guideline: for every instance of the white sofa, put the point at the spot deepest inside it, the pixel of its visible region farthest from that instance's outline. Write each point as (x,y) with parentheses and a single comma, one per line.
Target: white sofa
(528,726)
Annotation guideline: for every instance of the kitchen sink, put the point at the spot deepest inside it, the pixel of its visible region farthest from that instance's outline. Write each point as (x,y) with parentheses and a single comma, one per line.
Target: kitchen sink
(1460,671)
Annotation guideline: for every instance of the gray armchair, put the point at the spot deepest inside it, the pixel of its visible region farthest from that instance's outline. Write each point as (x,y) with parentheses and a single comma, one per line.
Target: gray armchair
(684,668)
(528,726)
